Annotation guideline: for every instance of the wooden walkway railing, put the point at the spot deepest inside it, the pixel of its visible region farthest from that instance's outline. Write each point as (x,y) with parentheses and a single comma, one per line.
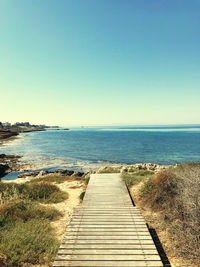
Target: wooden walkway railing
(107,230)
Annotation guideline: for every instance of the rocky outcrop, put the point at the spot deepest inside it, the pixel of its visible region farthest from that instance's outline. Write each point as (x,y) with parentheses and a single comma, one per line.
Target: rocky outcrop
(3,169)
(131,167)
(11,161)
(5,134)
(56,172)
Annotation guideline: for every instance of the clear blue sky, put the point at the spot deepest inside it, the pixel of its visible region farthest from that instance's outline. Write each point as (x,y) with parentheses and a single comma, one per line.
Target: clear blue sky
(91,62)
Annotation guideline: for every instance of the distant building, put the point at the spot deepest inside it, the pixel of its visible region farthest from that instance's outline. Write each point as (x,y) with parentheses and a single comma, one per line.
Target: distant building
(24,124)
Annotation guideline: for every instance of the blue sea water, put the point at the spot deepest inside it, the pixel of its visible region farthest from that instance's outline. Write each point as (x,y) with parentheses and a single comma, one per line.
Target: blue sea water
(81,146)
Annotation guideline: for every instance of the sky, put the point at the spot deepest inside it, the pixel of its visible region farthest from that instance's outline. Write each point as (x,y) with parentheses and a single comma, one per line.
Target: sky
(100,62)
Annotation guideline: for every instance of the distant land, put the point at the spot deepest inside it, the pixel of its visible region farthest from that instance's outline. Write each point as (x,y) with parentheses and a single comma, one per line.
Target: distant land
(8,130)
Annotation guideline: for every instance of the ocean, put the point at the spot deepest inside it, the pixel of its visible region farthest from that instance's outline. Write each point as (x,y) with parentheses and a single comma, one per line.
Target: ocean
(82,148)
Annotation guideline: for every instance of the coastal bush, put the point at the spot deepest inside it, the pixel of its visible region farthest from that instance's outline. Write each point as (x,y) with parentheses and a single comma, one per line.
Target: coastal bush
(175,194)
(82,195)
(8,192)
(109,170)
(136,176)
(42,192)
(87,180)
(58,179)
(12,212)
(31,242)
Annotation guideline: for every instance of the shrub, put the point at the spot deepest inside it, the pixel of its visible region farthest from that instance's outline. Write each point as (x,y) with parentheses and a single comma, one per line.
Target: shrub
(175,193)
(42,192)
(109,170)
(82,195)
(8,191)
(24,211)
(135,177)
(87,180)
(30,242)
(58,179)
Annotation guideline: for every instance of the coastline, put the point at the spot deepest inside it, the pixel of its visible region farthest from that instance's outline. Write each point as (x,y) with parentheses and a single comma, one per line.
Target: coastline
(26,171)
(7,136)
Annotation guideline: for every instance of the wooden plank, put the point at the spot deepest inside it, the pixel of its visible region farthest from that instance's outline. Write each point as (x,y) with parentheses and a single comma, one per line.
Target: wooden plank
(98,241)
(112,263)
(63,251)
(107,233)
(108,246)
(108,257)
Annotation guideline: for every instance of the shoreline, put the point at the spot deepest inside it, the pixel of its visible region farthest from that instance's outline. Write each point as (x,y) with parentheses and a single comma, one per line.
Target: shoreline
(24,170)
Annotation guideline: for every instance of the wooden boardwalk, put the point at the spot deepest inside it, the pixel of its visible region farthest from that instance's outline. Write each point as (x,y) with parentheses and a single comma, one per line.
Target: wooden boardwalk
(107,230)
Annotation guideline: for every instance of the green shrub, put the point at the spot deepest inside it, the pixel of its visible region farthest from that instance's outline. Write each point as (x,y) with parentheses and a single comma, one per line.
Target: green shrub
(82,195)
(56,197)
(24,211)
(132,178)
(52,179)
(109,170)
(8,191)
(31,242)
(42,192)
(87,180)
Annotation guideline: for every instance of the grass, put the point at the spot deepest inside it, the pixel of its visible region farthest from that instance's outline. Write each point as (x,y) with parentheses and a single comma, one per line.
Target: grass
(31,242)
(58,179)
(135,176)
(174,193)
(110,170)
(42,192)
(25,232)
(24,211)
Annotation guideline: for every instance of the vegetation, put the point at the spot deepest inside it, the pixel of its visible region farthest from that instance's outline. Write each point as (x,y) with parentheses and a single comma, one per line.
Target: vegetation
(135,176)
(87,180)
(58,179)
(109,170)
(25,233)
(174,193)
(30,242)
(82,195)
(42,192)
(23,211)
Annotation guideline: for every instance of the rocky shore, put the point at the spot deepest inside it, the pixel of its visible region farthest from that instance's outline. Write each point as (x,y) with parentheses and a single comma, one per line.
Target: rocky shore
(6,134)
(13,163)
(138,166)
(9,163)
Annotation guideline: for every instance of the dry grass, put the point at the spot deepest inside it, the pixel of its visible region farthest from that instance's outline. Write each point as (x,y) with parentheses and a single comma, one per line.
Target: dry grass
(175,195)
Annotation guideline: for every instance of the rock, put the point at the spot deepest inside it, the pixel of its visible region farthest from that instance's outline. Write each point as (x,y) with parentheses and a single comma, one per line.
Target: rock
(124,169)
(3,169)
(78,174)
(57,172)
(67,172)
(24,175)
(42,173)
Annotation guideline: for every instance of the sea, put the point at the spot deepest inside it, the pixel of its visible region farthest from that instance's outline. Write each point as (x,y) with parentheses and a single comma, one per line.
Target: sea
(87,148)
